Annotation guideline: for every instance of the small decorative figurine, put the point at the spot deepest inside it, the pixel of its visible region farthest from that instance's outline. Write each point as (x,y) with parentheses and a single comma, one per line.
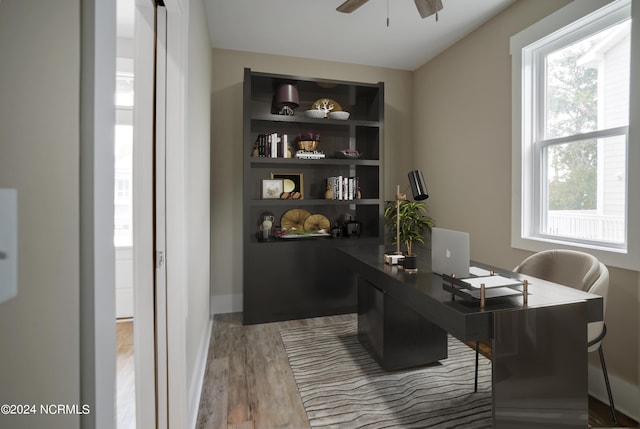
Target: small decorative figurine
(266,226)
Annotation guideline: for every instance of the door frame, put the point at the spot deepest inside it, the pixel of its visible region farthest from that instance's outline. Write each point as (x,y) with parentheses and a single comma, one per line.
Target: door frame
(160,287)
(177,279)
(97,275)
(144,344)
(97,254)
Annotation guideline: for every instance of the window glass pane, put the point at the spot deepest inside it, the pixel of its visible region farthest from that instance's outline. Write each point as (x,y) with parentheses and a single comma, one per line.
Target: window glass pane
(123,215)
(572,176)
(124,89)
(587,84)
(585,190)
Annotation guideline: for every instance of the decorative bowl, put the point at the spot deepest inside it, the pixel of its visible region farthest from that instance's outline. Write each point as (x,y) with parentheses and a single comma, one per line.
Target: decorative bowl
(339,115)
(348,153)
(314,113)
(308,145)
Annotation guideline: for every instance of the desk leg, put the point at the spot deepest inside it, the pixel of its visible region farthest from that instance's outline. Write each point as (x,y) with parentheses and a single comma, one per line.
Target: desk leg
(540,368)
(396,336)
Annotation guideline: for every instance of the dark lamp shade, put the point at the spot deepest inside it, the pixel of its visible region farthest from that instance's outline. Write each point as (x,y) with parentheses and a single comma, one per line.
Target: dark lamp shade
(418,188)
(287,95)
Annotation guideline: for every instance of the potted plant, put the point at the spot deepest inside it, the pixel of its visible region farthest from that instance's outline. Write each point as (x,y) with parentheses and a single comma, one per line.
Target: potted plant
(414,222)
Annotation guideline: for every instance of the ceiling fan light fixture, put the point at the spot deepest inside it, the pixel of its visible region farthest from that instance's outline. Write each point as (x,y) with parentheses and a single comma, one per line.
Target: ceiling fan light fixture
(350,5)
(428,7)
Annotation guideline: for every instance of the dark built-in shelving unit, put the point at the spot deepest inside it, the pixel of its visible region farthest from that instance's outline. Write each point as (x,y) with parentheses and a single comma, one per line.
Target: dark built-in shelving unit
(288,279)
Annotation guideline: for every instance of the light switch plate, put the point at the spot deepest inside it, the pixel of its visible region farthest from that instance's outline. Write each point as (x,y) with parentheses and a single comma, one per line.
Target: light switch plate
(8,244)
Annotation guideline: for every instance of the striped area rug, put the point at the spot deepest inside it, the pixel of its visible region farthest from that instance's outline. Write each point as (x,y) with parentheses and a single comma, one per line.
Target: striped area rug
(341,386)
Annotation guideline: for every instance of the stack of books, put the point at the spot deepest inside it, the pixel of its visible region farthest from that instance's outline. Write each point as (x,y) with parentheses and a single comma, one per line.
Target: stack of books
(344,188)
(272,145)
(307,154)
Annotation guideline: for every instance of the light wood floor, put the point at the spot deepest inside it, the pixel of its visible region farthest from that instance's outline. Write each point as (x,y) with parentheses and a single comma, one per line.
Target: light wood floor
(126,392)
(249,385)
(248,381)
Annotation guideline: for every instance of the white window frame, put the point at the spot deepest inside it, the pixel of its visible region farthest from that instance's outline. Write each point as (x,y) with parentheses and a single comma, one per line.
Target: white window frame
(524,164)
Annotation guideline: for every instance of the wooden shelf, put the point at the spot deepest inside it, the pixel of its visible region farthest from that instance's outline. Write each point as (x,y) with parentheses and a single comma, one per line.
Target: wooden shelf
(313,202)
(315,162)
(300,119)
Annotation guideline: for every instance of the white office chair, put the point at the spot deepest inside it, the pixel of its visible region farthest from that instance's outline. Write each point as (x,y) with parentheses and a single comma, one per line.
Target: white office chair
(582,271)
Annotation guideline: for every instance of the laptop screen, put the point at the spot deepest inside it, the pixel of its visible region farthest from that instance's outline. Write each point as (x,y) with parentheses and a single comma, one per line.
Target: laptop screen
(450,252)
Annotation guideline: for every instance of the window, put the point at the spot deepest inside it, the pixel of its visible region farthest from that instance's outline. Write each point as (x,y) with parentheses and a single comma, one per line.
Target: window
(571,131)
(123,198)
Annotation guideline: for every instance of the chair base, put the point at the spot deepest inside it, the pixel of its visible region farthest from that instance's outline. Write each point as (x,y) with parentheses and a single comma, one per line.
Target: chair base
(606,382)
(475,386)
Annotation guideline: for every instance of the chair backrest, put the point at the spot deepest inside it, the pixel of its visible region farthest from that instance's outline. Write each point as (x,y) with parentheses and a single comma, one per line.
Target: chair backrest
(578,270)
(571,268)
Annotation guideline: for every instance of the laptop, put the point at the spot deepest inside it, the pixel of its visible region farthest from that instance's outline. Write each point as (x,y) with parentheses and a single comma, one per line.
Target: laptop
(450,252)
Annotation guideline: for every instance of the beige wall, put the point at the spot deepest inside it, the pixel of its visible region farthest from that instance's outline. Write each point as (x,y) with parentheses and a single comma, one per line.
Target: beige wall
(39,156)
(463,117)
(226,158)
(462,125)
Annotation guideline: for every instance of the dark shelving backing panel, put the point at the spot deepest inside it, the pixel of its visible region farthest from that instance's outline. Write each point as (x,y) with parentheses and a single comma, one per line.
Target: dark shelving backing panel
(296,278)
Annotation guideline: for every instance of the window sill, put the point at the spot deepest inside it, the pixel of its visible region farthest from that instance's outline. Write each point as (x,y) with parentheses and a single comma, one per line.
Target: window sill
(618,258)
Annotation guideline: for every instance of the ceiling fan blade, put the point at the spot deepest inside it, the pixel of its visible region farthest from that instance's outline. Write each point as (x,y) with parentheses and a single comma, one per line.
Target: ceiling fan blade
(428,7)
(350,5)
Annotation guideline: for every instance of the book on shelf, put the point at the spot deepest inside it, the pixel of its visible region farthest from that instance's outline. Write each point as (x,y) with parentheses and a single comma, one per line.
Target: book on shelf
(271,145)
(344,188)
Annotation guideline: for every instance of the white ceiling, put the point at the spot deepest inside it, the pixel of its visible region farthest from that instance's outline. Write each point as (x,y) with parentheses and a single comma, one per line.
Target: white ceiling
(314,29)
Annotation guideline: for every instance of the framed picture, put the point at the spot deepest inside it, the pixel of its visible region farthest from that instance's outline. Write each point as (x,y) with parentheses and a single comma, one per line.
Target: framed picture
(291,182)
(272,188)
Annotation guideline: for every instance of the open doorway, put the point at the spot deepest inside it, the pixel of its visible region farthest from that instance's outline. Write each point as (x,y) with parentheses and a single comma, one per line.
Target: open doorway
(139,220)
(157,176)
(123,215)
(138,200)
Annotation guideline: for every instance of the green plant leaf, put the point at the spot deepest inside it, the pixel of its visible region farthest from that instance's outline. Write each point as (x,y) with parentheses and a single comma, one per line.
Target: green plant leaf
(414,222)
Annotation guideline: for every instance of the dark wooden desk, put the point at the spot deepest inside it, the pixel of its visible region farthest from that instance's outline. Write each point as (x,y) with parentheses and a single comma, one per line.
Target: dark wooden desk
(539,349)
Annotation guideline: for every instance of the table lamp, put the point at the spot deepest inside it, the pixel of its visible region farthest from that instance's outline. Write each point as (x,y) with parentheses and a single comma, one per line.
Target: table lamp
(418,188)
(286,99)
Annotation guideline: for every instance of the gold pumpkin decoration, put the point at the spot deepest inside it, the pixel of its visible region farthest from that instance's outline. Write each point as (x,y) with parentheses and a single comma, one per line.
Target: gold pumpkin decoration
(294,218)
(316,222)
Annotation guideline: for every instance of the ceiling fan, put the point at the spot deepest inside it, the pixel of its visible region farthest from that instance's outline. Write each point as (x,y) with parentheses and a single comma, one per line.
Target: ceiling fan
(425,7)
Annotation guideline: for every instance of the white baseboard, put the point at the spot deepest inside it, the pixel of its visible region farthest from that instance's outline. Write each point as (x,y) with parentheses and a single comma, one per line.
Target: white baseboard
(221,304)
(626,396)
(197,377)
